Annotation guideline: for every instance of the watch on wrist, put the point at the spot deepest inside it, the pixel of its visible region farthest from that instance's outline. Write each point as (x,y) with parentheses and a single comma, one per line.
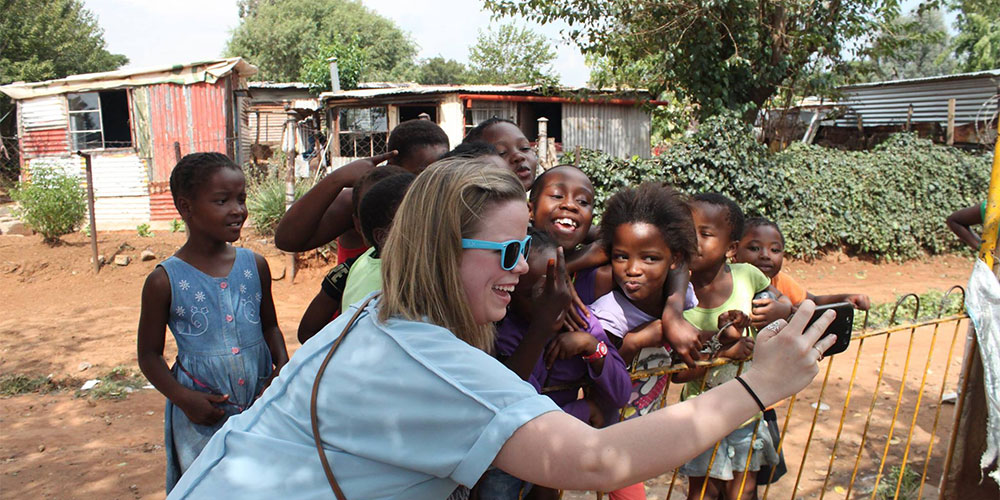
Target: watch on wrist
(599,352)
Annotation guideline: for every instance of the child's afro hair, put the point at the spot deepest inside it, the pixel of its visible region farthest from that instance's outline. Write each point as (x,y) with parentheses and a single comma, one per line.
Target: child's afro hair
(471,149)
(753,222)
(733,211)
(412,135)
(652,203)
(476,134)
(194,170)
(379,204)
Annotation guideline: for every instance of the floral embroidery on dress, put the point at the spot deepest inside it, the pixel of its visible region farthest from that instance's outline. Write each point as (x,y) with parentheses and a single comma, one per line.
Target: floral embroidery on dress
(199,296)
(180,310)
(184,285)
(243,288)
(247,274)
(259,296)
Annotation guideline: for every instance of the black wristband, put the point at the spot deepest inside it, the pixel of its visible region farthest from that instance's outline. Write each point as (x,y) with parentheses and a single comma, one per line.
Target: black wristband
(752,394)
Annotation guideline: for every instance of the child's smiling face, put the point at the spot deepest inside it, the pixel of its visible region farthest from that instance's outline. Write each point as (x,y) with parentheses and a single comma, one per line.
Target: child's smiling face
(218,208)
(640,263)
(763,247)
(564,206)
(711,225)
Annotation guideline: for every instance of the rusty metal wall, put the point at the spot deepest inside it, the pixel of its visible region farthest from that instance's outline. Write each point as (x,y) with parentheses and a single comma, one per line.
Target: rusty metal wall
(192,115)
(620,131)
(44,127)
(888,103)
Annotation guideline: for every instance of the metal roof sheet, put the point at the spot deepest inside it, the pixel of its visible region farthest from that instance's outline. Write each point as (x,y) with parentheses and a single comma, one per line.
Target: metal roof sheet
(184,74)
(384,89)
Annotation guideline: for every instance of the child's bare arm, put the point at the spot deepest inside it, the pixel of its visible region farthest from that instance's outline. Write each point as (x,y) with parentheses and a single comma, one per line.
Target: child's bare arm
(689,375)
(604,281)
(682,336)
(959,222)
(648,335)
(150,339)
(547,317)
(269,318)
(858,300)
(590,255)
(317,315)
(324,212)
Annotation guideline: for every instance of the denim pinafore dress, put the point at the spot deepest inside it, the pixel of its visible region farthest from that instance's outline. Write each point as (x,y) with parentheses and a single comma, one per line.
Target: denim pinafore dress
(220,349)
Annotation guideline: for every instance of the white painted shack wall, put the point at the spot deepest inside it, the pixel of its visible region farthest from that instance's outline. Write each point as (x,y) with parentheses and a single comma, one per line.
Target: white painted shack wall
(451,118)
(121,191)
(620,131)
(44,113)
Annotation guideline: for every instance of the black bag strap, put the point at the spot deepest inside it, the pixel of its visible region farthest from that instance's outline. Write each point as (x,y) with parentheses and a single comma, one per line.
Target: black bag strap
(314,415)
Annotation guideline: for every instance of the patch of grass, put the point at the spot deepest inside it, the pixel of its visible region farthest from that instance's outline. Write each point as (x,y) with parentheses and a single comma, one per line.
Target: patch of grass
(907,489)
(143,231)
(12,384)
(117,384)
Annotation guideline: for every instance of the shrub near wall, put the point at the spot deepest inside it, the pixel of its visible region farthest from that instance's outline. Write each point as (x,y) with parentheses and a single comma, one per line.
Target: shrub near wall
(888,203)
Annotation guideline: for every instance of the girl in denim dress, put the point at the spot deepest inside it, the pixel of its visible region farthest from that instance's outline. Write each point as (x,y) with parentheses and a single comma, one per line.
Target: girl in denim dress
(216,300)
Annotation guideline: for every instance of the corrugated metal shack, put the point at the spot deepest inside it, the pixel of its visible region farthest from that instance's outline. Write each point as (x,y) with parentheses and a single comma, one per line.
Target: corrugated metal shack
(614,122)
(134,123)
(267,108)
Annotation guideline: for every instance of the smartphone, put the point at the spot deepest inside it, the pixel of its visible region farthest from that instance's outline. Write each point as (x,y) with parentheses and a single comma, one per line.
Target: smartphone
(842,326)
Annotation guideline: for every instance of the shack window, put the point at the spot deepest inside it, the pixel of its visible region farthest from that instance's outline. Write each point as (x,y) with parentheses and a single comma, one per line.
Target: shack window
(363,131)
(99,120)
(481,111)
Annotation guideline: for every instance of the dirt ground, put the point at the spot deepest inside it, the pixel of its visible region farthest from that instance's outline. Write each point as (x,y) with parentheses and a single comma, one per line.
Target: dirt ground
(58,315)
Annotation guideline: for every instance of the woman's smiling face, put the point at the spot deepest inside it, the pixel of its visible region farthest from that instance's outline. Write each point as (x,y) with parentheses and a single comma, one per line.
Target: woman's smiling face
(487,286)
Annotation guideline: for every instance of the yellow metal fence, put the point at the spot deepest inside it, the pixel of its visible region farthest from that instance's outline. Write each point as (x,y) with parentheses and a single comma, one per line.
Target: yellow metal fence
(874,426)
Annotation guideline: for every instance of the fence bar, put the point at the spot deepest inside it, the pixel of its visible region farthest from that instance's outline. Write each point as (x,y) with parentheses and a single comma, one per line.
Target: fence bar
(871,410)
(843,416)
(781,442)
(812,426)
(937,413)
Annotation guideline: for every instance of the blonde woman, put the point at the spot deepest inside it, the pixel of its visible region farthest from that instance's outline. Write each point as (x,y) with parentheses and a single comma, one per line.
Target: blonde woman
(412,406)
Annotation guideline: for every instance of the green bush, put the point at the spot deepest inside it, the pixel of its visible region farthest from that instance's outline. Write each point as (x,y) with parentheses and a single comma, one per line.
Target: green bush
(889,203)
(266,200)
(52,202)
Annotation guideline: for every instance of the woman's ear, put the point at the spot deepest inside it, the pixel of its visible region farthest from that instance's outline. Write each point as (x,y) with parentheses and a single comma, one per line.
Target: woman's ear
(531,212)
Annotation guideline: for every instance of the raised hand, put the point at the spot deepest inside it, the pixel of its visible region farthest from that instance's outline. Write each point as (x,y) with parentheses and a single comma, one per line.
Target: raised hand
(766,311)
(569,344)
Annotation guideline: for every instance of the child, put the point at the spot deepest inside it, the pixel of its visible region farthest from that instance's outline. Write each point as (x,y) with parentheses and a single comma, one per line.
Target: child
(960,221)
(216,300)
(512,146)
(562,204)
(565,359)
(378,208)
(326,304)
(647,232)
(763,245)
(721,288)
(324,212)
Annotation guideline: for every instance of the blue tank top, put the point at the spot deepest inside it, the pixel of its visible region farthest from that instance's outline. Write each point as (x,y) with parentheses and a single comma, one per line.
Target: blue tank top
(216,323)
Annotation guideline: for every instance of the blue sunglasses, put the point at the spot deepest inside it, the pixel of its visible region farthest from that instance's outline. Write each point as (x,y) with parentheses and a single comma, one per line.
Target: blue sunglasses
(509,250)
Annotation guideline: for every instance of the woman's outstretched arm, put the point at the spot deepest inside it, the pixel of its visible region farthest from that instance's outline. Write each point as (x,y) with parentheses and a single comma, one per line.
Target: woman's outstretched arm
(558,451)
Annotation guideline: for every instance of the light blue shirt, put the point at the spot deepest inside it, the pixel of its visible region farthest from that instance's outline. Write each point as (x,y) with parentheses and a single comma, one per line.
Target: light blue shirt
(407,410)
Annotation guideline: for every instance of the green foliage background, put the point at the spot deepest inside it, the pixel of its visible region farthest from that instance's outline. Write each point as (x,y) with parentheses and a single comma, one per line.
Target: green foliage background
(266,199)
(889,203)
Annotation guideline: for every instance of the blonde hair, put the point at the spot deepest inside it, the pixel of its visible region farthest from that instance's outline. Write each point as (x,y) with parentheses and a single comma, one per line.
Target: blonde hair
(423,253)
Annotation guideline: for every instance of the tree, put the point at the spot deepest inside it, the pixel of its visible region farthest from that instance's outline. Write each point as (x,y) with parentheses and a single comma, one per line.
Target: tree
(512,54)
(721,55)
(281,36)
(43,40)
(438,70)
(351,62)
(913,46)
(978,41)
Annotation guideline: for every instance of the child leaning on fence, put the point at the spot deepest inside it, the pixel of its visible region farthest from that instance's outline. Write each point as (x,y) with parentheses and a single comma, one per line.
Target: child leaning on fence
(216,300)
(722,288)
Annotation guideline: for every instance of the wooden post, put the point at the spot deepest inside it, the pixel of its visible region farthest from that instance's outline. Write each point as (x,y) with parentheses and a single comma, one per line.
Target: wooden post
(543,145)
(811,131)
(909,118)
(177,152)
(288,145)
(951,122)
(90,206)
(861,130)
(576,160)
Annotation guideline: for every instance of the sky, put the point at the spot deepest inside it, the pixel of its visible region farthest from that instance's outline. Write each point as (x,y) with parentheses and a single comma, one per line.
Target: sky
(154,33)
